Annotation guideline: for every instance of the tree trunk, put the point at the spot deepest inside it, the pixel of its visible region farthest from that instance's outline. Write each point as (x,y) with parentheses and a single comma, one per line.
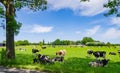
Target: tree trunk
(10,18)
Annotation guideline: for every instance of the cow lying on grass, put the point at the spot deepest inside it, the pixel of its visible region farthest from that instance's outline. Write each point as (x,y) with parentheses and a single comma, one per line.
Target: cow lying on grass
(44,59)
(58,59)
(99,63)
(43,47)
(112,53)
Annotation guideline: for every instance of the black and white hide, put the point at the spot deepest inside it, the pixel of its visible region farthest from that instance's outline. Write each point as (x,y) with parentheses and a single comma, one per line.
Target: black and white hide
(112,53)
(58,59)
(35,50)
(98,54)
(89,52)
(44,59)
(43,47)
(99,63)
(119,52)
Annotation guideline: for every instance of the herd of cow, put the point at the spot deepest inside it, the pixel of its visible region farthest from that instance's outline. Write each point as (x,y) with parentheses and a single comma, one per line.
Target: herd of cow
(98,54)
(61,53)
(44,59)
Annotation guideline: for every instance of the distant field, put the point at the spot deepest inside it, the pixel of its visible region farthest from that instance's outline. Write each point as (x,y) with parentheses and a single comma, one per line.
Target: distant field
(76,60)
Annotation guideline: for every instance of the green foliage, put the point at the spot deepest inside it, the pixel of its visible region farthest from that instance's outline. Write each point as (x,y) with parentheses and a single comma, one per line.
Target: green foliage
(57,42)
(62,42)
(2,12)
(108,44)
(20,42)
(78,42)
(34,5)
(86,39)
(113,6)
(13,24)
(40,43)
(3,54)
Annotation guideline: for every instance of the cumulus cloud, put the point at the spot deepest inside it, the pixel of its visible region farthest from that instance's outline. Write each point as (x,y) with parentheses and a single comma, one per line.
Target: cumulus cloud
(91,8)
(93,30)
(111,33)
(41,29)
(36,29)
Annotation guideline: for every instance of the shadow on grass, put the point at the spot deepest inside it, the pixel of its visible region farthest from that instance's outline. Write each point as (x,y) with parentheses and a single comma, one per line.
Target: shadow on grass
(21,59)
(80,65)
(70,65)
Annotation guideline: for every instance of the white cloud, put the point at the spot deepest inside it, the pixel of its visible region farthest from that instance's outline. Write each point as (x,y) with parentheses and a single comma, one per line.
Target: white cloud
(115,21)
(41,29)
(91,8)
(93,31)
(112,33)
(36,28)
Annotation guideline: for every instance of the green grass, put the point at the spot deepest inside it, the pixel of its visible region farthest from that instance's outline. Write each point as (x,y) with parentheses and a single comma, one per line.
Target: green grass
(76,60)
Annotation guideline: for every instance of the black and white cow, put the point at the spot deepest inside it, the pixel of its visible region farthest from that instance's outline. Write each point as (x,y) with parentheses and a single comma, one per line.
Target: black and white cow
(98,54)
(112,53)
(43,47)
(90,52)
(119,52)
(35,50)
(44,59)
(99,63)
(59,59)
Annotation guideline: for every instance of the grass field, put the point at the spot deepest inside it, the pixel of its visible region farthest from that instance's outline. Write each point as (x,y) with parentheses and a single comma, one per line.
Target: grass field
(76,60)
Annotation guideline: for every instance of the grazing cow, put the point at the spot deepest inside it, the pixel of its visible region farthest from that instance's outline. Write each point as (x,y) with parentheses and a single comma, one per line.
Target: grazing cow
(112,53)
(119,52)
(99,63)
(59,59)
(61,52)
(35,50)
(89,52)
(98,54)
(43,47)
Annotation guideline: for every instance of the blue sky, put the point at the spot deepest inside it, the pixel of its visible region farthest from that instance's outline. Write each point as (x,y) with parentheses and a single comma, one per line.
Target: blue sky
(68,20)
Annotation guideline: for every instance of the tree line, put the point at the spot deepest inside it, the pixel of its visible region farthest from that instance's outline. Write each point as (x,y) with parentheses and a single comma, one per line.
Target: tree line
(88,41)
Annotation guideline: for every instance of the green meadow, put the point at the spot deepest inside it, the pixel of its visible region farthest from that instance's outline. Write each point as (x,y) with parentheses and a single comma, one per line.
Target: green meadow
(76,60)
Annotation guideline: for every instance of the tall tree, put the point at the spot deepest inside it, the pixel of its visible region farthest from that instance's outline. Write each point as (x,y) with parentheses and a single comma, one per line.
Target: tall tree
(7,11)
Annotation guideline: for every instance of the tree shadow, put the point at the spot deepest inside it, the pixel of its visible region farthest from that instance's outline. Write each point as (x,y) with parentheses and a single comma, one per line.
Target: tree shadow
(70,65)
(80,65)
